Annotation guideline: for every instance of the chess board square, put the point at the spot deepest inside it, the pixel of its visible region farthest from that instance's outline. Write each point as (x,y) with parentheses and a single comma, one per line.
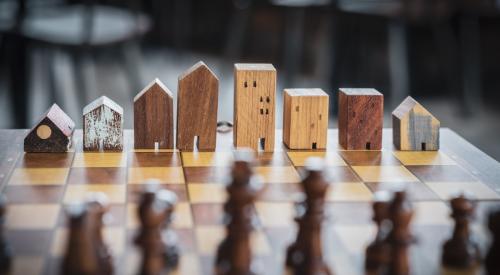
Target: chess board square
(207,193)
(154,159)
(182,217)
(114,237)
(134,191)
(22,265)
(431,213)
(348,192)
(446,190)
(109,175)
(369,158)
(341,174)
(355,238)
(100,160)
(38,176)
(204,159)
(284,174)
(331,158)
(275,214)
(272,159)
(384,174)
(32,216)
(207,174)
(417,191)
(79,193)
(440,173)
(208,213)
(140,175)
(209,237)
(34,194)
(45,160)
(347,213)
(289,192)
(423,158)
(29,242)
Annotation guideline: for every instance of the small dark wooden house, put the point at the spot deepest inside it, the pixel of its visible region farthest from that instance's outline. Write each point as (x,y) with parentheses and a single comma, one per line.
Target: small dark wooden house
(197,100)
(52,133)
(103,126)
(414,128)
(154,117)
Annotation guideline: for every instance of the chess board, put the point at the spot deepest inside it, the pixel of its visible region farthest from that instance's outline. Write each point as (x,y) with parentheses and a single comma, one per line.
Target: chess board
(38,186)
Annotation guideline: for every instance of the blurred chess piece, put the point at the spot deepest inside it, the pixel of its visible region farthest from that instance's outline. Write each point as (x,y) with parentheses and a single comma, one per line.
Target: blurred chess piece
(305,255)
(234,254)
(492,261)
(5,252)
(461,252)
(377,252)
(97,207)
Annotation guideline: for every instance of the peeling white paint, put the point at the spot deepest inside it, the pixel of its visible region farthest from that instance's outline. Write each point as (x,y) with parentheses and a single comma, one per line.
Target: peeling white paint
(103,128)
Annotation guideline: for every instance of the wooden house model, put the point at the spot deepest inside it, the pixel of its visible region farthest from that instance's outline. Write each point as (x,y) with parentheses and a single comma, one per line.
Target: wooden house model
(254,106)
(414,128)
(361,116)
(197,99)
(103,126)
(305,118)
(52,133)
(154,117)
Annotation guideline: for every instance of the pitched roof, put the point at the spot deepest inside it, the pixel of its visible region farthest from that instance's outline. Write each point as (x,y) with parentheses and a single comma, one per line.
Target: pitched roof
(151,84)
(195,67)
(254,67)
(406,106)
(103,100)
(60,119)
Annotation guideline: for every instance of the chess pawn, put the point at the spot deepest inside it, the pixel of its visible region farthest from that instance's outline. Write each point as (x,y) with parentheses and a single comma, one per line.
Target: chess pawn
(305,255)
(461,252)
(5,252)
(80,257)
(97,205)
(169,239)
(399,238)
(492,261)
(377,252)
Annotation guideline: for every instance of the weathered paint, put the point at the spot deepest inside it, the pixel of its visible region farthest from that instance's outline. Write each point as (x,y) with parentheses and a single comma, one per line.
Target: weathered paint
(103,130)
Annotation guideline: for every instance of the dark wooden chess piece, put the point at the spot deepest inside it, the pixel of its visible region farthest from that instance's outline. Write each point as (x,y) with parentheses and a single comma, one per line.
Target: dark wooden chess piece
(155,212)
(234,254)
(80,257)
(97,206)
(377,252)
(492,261)
(399,238)
(5,252)
(305,255)
(462,250)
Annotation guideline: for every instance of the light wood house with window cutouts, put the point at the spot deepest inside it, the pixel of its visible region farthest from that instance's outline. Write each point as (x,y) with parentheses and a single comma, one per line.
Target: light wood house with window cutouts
(305,118)
(254,106)
(414,128)
(197,98)
(154,117)
(52,134)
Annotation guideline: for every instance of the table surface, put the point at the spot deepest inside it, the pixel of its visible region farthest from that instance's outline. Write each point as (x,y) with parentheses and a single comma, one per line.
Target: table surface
(39,186)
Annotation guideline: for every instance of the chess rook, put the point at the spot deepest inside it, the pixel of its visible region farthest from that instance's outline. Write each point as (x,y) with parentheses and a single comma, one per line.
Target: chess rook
(305,118)
(361,116)
(254,106)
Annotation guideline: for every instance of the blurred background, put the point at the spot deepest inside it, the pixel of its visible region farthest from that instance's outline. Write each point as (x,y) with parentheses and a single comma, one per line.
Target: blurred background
(444,53)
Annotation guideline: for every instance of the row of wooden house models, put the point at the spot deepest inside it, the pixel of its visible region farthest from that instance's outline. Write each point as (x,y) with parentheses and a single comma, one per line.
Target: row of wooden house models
(305,117)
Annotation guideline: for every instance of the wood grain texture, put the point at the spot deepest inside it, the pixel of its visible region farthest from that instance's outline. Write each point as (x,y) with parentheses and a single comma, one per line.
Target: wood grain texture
(254,106)
(415,128)
(103,126)
(305,118)
(361,117)
(197,99)
(52,133)
(154,117)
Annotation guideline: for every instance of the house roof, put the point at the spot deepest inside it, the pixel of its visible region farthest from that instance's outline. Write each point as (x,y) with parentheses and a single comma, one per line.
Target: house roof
(360,91)
(103,100)
(195,67)
(306,92)
(60,119)
(254,67)
(406,106)
(151,84)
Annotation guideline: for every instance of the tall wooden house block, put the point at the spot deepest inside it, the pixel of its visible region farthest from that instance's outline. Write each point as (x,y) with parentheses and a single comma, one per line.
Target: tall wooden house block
(103,126)
(361,116)
(254,106)
(197,100)
(53,133)
(154,117)
(305,118)
(414,128)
